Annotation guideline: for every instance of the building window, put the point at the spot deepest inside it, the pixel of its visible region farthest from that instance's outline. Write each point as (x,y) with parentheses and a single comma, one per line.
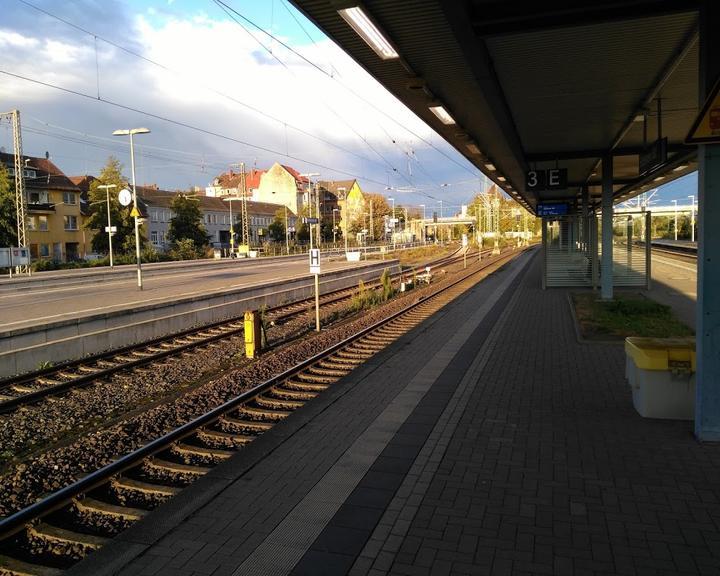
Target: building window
(44,250)
(69,198)
(42,223)
(32,223)
(153,216)
(154,237)
(38,197)
(70,222)
(162,238)
(29,173)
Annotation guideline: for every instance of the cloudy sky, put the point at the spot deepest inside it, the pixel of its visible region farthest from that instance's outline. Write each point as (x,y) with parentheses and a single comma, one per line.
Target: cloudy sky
(218,82)
(215,89)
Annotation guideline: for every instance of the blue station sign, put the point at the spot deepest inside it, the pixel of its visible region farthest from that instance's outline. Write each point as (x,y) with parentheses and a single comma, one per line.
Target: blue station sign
(552,209)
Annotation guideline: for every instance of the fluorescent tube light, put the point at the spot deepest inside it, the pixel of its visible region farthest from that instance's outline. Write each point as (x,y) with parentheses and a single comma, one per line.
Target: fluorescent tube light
(490,167)
(681,167)
(365,28)
(473,147)
(442,114)
(501,178)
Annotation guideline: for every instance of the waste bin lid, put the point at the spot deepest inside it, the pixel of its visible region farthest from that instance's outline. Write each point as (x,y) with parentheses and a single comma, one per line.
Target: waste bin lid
(657,353)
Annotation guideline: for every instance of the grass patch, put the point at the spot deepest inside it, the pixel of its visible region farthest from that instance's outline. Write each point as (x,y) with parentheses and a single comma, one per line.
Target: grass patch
(629,314)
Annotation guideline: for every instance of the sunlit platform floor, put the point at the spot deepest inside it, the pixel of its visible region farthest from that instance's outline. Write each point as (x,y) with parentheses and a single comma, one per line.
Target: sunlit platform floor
(486,441)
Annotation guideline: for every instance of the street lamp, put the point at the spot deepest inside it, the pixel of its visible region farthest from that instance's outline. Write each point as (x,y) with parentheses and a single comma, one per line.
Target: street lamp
(692,217)
(107,187)
(423,224)
(675,202)
(131,132)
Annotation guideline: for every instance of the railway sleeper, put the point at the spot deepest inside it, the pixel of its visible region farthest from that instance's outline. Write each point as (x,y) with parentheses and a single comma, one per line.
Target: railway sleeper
(22,389)
(198,455)
(355,354)
(88,369)
(267,401)
(14,567)
(131,492)
(282,393)
(304,386)
(341,362)
(262,414)
(378,339)
(241,425)
(160,470)
(221,439)
(315,378)
(321,370)
(45,539)
(104,517)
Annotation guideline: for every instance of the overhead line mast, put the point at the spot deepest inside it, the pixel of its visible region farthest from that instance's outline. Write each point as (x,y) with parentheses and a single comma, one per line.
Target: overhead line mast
(20,197)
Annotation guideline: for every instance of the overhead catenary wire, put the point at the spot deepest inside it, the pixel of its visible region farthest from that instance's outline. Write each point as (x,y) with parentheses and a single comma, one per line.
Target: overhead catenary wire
(212,133)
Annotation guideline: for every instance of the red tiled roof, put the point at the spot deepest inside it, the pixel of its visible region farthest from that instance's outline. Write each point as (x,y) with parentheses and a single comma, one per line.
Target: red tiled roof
(47,174)
(295,174)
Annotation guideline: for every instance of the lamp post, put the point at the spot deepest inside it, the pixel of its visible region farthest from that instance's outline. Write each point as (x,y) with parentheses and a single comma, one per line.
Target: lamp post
(287,233)
(230,199)
(334,231)
(423,224)
(131,132)
(675,202)
(392,221)
(309,175)
(692,217)
(107,187)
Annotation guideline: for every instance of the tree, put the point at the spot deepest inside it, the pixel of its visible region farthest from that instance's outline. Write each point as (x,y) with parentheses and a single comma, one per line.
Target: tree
(277,227)
(186,223)
(124,237)
(8,222)
(380,209)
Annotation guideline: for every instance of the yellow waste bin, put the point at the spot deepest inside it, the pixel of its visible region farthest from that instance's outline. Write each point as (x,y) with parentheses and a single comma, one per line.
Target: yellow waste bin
(661,373)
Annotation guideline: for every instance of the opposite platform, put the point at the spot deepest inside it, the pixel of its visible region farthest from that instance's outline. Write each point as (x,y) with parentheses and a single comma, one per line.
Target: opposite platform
(487,440)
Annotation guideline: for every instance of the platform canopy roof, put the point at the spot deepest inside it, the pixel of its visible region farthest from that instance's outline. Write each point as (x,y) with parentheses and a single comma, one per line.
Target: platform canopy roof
(541,85)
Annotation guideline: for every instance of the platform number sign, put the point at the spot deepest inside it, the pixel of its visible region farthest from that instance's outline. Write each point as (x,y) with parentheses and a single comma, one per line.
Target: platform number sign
(551,179)
(314,261)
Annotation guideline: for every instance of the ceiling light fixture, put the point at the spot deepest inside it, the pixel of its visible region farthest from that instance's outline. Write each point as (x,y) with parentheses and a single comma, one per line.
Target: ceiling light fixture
(368,31)
(659,178)
(490,166)
(681,167)
(442,114)
(473,147)
(501,178)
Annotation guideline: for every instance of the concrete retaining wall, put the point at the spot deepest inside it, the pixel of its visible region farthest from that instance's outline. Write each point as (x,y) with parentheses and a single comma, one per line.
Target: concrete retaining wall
(25,349)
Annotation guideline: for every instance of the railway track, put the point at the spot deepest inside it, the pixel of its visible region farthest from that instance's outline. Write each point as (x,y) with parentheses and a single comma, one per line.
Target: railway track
(33,387)
(49,536)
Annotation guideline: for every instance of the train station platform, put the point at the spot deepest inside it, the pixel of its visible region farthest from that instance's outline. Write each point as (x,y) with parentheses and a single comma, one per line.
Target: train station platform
(486,441)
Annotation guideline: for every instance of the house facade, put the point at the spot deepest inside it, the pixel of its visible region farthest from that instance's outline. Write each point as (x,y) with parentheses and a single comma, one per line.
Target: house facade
(54,218)
(217,213)
(349,200)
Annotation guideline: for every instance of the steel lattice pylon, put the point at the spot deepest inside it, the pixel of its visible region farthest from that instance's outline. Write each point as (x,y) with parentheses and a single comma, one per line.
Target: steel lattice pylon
(20,198)
(244,208)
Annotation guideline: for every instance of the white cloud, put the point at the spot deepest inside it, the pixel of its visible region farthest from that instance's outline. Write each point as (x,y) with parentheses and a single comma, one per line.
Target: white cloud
(219,55)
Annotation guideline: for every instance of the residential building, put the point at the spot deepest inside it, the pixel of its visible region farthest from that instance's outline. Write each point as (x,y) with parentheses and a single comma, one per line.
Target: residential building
(54,216)
(216,212)
(282,185)
(229,184)
(349,199)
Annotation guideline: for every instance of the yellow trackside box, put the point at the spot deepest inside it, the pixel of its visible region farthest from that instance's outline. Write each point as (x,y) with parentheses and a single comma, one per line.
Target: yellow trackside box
(661,373)
(253,334)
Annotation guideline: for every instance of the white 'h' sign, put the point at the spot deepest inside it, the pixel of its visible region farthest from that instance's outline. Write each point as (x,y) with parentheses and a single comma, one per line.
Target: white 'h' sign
(314,261)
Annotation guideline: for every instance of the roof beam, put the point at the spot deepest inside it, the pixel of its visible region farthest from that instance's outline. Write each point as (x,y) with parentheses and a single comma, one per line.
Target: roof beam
(491,18)
(598,153)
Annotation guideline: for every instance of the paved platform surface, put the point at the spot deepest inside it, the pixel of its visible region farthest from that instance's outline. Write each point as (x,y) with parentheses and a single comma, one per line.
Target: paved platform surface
(486,441)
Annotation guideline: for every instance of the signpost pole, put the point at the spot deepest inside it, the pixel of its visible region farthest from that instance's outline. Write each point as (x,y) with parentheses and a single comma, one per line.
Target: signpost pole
(317,302)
